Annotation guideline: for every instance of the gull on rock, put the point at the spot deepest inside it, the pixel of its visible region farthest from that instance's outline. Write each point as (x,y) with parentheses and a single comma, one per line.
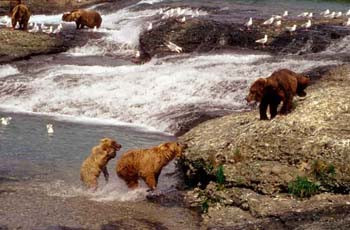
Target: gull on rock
(58,29)
(269,21)
(35,29)
(278,23)
(326,12)
(347,13)
(310,15)
(347,23)
(262,40)
(249,23)
(48,31)
(43,27)
(5,120)
(307,24)
(304,14)
(150,26)
(332,15)
(49,128)
(291,29)
(173,47)
(338,15)
(285,14)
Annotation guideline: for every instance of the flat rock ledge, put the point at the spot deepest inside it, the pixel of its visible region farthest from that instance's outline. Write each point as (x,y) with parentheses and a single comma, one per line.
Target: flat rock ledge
(242,171)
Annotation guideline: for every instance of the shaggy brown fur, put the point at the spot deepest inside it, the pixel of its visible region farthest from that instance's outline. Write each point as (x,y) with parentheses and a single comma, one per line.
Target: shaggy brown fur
(21,15)
(89,18)
(146,163)
(97,161)
(282,85)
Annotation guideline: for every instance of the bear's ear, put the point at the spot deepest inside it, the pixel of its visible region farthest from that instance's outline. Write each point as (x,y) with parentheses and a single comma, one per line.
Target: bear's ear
(164,146)
(76,14)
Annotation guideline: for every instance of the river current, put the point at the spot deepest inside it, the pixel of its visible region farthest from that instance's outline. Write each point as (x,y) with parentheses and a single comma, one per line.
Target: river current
(95,91)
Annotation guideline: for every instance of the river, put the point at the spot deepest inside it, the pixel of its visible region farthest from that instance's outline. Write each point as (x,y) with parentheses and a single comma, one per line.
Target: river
(94,91)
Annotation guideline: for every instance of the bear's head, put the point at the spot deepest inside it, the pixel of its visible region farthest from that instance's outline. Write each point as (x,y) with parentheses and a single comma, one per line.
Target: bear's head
(303,82)
(174,147)
(111,146)
(256,90)
(72,16)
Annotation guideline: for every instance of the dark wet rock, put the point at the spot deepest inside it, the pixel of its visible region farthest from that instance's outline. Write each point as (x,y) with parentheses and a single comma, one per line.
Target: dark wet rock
(133,224)
(260,159)
(204,35)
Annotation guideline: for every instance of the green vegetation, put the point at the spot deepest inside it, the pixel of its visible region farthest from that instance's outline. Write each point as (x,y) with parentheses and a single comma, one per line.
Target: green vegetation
(220,175)
(302,187)
(204,206)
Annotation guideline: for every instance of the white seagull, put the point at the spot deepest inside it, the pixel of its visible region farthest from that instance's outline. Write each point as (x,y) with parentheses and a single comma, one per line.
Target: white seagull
(150,26)
(285,14)
(347,13)
(310,15)
(5,120)
(332,15)
(262,40)
(304,14)
(35,29)
(291,29)
(307,24)
(249,23)
(326,12)
(43,27)
(49,128)
(276,17)
(338,15)
(347,23)
(269,21)
(278,23)
(173,47)
(183,19)
(49,31)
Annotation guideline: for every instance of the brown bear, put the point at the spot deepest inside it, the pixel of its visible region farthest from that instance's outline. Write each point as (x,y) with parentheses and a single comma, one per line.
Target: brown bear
(21,15)
(146,163)
(282,85)
(89,18)
(97,161)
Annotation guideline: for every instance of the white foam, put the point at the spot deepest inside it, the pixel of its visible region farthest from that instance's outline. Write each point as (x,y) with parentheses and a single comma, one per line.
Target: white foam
(151,94)
(115,190)
(46,19)
(149,1)
(7,70)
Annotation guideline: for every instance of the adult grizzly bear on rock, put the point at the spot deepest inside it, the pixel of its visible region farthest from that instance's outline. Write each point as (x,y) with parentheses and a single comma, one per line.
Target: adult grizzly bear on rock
(89,18)
(146,163)
(97,161)
(21,15)
(282,85)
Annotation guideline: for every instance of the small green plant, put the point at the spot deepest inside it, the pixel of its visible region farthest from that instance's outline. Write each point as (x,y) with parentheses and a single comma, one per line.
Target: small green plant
(302,187)
(205,206)
(220,175)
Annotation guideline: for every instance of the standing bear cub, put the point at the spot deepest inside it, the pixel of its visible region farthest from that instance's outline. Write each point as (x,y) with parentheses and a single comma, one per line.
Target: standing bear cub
(21,15)
(97,161)
(146,163)
(282,85)
(89,18)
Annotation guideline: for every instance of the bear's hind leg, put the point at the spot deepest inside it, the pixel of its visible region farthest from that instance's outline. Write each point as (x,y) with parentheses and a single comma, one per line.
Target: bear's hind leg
(151,182)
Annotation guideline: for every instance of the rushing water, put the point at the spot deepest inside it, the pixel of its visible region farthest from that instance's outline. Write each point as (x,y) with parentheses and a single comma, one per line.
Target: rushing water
(94,91)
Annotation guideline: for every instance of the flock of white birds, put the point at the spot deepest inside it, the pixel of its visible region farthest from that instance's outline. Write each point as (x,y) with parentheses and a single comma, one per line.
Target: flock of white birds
(4,121)
(276,20)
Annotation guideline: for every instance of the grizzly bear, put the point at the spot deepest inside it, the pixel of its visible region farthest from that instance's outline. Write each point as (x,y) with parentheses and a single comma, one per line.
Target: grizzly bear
(89,18)
(146,163)
(282,85)
(21,15)
(97,161)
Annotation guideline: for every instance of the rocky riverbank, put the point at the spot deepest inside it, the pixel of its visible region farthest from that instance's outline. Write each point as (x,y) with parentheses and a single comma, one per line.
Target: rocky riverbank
(246,173)
(205,34)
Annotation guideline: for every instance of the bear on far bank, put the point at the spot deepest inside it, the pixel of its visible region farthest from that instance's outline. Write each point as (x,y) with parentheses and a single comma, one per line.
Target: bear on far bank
(89,18)
(21,15)
(282,85)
